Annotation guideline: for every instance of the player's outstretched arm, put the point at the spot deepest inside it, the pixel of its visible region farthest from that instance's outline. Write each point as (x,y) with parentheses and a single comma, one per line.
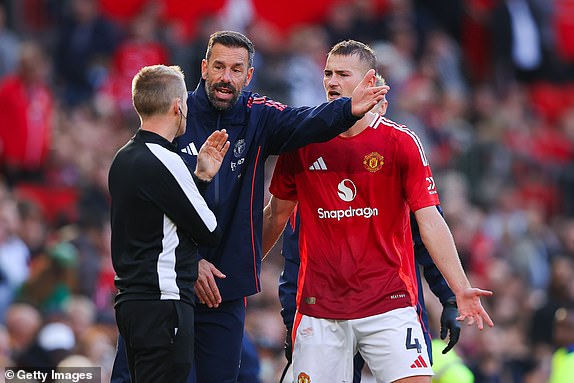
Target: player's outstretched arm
(366,95)
(439,242)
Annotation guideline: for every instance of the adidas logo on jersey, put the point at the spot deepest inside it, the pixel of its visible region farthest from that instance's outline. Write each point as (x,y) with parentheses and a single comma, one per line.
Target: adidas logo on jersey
(419,363)
(319,164)
(190,149)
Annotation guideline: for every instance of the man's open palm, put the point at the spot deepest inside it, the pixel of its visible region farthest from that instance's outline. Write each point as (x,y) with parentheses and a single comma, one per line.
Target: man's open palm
(211,155)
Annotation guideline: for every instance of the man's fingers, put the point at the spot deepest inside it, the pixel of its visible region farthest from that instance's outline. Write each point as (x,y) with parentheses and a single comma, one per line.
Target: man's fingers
(453,339)
(214,292)
(200,293)
(207,294)
(215,271)
(483,293)
(224,149)
(368,77)
(479,322)
(443,332)
(484,315)
(221,139)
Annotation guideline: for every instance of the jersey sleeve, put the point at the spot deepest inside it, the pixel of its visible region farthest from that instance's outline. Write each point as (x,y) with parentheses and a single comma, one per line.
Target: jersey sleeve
(171,185)
(289,276)
(418,181)
(283,181)
(291,128)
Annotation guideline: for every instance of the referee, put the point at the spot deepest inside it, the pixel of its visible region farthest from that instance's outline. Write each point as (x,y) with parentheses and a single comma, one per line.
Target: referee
(158,219)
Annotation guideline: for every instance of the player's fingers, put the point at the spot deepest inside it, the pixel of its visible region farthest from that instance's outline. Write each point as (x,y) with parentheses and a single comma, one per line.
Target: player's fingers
(215,271)
(221,139)
(200,293)
(486,317)
(368,77)
(484,293)
(206,292)
(479,322)
(443,331)
(224,149)
(471,320)
(453,339)
(214,294)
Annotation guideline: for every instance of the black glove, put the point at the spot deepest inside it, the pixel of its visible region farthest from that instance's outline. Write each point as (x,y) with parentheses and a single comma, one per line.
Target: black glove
(449,324)
(288,345)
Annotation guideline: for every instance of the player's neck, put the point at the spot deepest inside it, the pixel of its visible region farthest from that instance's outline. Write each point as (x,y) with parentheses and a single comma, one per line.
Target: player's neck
(359,126)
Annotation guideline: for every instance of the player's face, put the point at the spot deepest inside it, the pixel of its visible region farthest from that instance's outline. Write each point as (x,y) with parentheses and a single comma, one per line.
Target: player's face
(342,74)
(226,73)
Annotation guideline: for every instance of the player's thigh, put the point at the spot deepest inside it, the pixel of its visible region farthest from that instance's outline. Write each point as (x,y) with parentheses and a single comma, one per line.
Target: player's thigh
(323,351)
(393,346)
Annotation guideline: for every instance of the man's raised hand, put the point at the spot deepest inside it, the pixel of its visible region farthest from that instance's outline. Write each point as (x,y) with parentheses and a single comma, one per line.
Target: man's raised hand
(211,155)
(366,96)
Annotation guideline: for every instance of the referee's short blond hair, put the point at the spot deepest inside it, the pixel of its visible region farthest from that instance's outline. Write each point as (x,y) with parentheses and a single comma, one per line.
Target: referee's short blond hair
(155,87)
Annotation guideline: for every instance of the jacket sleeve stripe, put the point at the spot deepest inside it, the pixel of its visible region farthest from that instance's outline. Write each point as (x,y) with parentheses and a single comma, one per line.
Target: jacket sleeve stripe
(180,172)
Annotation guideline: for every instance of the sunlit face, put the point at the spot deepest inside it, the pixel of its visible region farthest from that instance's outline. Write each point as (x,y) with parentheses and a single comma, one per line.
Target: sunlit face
(226,73)
(342,74)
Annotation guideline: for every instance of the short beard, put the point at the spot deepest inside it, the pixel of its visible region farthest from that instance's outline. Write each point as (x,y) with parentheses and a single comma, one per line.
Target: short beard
(217,104)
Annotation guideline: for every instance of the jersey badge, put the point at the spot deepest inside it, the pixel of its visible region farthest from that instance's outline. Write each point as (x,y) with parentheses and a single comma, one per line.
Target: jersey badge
(373,162)
(239,148)
(303,378)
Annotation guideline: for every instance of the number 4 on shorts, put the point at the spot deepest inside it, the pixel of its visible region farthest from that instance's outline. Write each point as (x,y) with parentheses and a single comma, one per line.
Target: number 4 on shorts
(409,341)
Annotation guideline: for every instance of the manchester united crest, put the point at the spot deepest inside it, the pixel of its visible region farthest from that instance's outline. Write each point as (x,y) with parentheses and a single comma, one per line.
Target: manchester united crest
(303,378)
(373,162)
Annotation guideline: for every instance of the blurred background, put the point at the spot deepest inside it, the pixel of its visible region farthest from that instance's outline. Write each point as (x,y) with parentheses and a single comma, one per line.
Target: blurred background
(488,85)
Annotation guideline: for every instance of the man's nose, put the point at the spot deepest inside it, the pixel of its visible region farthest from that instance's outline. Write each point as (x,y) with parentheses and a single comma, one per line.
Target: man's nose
(226,75)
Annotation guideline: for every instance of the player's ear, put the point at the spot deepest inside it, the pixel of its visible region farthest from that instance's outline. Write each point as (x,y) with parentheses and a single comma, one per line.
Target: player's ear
(204,69)
(249,76)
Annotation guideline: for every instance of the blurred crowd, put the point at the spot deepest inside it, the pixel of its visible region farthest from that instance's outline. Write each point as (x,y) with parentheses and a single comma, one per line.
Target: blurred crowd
(488,85)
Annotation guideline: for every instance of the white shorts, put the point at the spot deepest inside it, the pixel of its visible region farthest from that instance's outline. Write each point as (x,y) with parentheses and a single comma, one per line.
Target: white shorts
(391,343)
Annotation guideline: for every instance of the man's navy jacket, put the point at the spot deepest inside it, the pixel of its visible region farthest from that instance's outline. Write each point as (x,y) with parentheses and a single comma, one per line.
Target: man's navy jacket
(257,127)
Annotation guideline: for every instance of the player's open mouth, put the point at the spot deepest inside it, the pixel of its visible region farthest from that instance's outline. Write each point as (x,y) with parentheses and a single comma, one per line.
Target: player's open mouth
(224,92)
(333,95)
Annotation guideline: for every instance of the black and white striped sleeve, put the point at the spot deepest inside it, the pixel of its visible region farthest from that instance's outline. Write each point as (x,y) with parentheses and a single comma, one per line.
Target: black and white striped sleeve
(176,193)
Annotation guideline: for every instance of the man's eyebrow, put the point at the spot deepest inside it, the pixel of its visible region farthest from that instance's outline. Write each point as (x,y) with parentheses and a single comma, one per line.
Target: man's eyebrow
(239,63)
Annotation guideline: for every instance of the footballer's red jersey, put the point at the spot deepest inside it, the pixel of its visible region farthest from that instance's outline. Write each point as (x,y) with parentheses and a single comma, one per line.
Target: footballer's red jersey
(355,195)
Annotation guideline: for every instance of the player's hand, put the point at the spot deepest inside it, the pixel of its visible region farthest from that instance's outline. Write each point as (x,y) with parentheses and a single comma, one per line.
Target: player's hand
(205,287)
(470,308)
(289,345)
(449,325)
(211,155)
(365,97)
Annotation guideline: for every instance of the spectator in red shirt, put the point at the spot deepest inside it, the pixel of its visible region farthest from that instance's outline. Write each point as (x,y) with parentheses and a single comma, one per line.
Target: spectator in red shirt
(26,107)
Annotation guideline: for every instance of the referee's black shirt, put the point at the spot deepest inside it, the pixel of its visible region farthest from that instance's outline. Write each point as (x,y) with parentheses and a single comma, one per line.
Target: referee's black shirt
(158,218)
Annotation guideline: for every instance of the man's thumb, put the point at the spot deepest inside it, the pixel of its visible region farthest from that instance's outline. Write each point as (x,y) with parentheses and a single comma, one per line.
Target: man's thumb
(216,272)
